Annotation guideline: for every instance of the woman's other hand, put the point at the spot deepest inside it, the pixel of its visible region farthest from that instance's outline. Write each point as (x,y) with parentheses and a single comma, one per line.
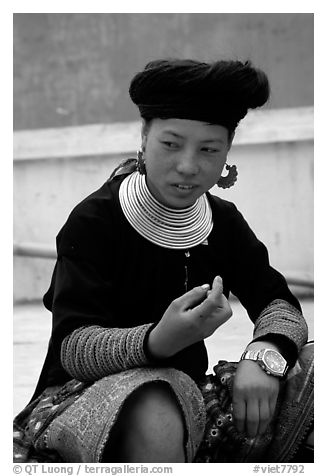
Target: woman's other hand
(254,396)
(190,318)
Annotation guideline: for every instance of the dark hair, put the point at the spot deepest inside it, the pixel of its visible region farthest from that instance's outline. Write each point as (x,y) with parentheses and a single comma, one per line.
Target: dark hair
(220,92)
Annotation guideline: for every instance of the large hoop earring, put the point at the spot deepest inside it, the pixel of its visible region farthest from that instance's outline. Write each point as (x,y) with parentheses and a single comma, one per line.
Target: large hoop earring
(140,162)
(228,180)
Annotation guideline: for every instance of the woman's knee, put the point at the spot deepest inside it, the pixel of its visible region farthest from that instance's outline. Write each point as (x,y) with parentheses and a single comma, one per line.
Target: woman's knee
(154,408)
(150,421)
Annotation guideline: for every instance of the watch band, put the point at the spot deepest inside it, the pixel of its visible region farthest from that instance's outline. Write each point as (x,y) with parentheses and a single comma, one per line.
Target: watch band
(250,355)
(259,357)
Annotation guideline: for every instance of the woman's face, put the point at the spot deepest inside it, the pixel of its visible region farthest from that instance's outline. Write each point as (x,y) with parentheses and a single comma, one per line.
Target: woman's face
(183,159)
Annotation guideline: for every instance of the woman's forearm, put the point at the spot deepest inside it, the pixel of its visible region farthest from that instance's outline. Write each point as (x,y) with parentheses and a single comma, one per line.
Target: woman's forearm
(93,352)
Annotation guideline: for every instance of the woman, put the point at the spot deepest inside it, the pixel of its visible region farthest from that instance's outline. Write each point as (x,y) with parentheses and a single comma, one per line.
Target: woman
(145,266)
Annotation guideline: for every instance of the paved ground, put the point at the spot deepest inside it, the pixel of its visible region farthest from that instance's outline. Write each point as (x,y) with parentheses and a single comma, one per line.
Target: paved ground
(32,324)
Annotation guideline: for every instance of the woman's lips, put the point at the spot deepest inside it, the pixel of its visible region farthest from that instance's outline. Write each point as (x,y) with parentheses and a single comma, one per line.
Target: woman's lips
(184,186)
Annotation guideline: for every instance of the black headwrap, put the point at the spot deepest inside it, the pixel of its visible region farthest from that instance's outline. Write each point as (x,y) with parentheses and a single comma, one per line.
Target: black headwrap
(218,93)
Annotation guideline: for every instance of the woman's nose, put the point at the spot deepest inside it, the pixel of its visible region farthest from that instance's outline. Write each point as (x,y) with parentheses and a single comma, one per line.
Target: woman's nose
(187,164)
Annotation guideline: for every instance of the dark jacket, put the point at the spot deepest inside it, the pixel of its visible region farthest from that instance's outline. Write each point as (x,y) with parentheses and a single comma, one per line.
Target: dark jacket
(107,274)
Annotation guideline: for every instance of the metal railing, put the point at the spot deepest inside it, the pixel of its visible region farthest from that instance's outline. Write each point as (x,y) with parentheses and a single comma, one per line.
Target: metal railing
(33,250)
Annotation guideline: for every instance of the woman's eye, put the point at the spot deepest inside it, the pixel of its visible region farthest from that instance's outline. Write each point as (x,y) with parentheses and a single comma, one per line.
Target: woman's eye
(210,150)
(170,145)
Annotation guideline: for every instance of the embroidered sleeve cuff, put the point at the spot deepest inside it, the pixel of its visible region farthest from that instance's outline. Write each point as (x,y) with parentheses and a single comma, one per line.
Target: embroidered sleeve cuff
(92,352)
(281,320)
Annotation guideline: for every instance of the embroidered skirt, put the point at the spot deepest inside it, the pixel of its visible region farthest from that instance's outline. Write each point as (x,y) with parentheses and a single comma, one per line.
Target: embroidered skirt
(73,423)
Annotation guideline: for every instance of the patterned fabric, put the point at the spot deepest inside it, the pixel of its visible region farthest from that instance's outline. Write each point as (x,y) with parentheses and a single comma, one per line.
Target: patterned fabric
(31,422)
(93,352)
(281,318)
(222,442)
(74,423)
(294,414)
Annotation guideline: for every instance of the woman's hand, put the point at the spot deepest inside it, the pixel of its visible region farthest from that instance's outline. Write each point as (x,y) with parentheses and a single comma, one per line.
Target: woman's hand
(254,397)
(190,318)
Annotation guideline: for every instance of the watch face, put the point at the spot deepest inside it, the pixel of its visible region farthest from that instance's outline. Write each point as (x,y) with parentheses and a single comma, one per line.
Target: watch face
(274,361)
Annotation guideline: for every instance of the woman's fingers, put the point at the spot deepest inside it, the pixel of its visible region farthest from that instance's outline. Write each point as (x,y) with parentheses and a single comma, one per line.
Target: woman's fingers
(239,414)
(216,292)
(210,299)
(254,398)
(217,285)
(264,415)
(214,299)
(192,297)
(272,404)
(252,417)
(214,310)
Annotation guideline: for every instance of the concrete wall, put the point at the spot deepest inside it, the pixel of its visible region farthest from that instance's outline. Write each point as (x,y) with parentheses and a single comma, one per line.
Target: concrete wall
(75,68)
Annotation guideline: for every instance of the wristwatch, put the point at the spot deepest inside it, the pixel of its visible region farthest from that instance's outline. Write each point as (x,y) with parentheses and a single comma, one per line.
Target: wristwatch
(271,361)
